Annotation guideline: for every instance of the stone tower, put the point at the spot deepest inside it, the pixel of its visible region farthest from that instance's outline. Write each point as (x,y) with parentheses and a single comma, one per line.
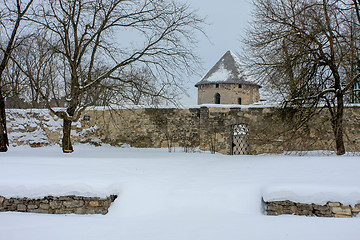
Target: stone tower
(228,83)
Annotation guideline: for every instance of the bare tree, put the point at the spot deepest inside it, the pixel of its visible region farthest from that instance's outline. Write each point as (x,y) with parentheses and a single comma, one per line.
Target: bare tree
(308,52)
(14,86)
(141,87)
(87,36)
(36,61)
(11,15)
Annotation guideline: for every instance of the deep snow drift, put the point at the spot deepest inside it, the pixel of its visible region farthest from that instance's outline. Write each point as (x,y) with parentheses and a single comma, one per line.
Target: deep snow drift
(177,196)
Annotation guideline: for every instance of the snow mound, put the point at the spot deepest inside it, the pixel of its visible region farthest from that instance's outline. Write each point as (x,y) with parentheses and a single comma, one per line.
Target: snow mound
(312,194)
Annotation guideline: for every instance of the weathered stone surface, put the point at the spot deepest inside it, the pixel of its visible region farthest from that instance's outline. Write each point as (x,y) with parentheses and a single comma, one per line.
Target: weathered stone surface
(355,209)
(334,204)
(342,210)
(94,203)
(73,203)
(190,128)
(82,211)
(38,211)
(21,208)
(304,209)
(331,209)
(342,216)
(55,204)
(59,205)
(63,211)
(320,207)
(31,207)
(44,205)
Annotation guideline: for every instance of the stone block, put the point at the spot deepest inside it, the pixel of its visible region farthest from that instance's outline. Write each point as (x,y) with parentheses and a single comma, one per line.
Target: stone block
(2,199)
(286,203)
(273,213)
(55,204)
(12,207)
(326,213)
(304,206)
(38,211)
(63,211)
(44,205)
(290,210)
(94,203)
(304,209)
(342,210)
(31,207)
(21,208)
(73,203)
(342,216)
(320,207)
(102,211)
(356,209)
(334,204)
(81,211)
(65,198)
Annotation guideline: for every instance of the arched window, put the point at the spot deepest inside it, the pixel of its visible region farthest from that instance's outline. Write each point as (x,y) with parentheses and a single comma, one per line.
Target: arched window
(217,98)
(239,100)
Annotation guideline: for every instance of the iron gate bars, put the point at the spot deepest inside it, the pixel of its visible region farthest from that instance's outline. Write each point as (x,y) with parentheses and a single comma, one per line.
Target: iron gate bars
(240,145)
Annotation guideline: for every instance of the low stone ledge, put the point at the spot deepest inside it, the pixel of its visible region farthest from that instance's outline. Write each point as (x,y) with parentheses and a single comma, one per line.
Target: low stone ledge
(58,205)
(330,209)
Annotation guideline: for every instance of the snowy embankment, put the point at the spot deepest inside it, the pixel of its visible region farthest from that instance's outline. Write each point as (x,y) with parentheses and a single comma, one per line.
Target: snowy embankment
(180,196)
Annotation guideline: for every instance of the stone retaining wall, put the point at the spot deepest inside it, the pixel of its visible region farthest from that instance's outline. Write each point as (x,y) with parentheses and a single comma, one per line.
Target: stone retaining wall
(330,209)
(209,128)
(58,205)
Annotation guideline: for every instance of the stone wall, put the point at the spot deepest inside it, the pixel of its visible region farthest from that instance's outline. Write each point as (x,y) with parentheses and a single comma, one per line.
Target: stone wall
(229,93)
(58,205)
(145,128)
(209,128)
(330,209)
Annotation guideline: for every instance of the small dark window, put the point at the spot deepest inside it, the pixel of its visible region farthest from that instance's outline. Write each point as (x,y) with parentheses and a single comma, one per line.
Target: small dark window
(240,86)
(239,100)
(86,118)
(217,98)
(217,85)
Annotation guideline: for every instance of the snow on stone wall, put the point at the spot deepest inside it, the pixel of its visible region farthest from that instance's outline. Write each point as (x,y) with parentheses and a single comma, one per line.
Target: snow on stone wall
(209,128)
(38,127)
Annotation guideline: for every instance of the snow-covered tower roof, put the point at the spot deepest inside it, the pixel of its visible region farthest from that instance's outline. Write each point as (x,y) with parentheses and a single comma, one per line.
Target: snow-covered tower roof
(228,69)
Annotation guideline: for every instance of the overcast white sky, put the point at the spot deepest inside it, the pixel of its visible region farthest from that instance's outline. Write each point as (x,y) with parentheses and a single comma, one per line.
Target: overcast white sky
(228,20)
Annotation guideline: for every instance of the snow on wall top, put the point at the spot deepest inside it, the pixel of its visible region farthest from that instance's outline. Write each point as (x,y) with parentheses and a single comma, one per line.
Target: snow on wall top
(228,69)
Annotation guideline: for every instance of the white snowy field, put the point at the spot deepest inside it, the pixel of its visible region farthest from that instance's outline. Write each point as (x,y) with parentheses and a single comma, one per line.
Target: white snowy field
(177,196)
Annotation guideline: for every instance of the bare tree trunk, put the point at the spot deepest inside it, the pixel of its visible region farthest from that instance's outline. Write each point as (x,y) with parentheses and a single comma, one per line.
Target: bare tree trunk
(337,124)
(66,141)
(4,141)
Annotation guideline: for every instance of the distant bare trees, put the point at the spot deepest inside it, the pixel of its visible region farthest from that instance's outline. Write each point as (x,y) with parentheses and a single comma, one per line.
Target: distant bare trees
(11,15)
(308,52)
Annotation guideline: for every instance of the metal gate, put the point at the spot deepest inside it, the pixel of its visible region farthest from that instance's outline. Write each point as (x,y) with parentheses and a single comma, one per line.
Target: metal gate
(240,144)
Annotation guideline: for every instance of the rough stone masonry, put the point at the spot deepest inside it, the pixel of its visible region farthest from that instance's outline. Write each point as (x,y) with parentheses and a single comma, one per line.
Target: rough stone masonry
(330,209)
(58,205)
(208,128)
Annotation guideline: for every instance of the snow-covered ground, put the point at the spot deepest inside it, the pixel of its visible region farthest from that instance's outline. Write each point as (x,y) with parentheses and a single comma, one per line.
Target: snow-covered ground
(177,196)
